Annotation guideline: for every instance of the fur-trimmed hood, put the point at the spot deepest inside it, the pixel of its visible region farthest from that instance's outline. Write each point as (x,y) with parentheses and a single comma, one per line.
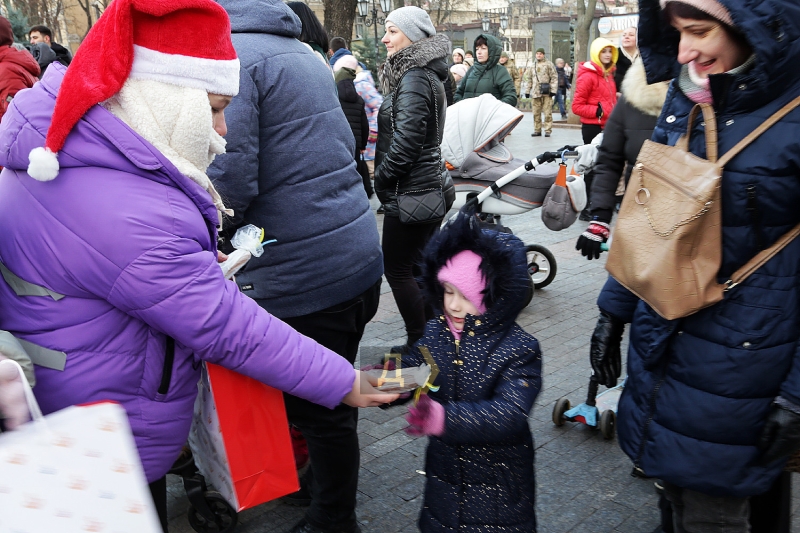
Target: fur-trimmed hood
(649,99)
(504,267)
(429,52)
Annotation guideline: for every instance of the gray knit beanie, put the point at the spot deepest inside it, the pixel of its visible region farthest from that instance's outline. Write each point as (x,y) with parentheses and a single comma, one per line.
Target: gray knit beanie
(413,22)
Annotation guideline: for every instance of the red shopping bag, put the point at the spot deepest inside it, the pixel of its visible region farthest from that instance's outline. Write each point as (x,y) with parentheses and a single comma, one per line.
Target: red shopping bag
(240,439)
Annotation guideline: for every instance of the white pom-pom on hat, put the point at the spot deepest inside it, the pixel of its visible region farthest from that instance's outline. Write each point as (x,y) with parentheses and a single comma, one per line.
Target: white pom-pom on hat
(43,164)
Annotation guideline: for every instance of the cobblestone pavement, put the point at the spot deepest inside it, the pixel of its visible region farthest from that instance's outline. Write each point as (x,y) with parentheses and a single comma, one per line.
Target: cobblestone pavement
(583,481)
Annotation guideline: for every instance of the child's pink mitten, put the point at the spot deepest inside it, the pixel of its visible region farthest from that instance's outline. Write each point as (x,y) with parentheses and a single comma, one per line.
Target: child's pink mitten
(13,406)
(426,418)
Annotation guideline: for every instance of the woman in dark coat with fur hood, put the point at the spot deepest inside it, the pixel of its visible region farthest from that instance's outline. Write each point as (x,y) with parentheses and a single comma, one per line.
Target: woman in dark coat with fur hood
(479,463)
(407,157)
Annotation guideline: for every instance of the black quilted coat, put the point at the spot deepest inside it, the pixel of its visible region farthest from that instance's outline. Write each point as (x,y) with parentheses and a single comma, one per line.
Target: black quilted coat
(407,155)
(480,475)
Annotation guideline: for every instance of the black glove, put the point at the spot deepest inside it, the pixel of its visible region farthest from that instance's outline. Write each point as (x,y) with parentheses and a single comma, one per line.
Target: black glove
(599,110)
(781,434)
(605,354)
(547,157)
(590,240)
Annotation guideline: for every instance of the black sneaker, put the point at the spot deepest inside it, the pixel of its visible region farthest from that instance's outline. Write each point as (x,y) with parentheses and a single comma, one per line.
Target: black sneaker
(547,135)
(536,134)
(301,498)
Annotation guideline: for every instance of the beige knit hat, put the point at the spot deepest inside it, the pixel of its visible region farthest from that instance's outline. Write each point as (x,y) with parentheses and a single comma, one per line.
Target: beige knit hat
(712,7)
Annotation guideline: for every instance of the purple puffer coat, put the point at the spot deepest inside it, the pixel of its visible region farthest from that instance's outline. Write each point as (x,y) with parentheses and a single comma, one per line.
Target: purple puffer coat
(131,243)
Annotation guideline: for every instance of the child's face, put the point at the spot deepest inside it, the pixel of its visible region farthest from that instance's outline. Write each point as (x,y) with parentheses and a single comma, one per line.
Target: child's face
(456,305)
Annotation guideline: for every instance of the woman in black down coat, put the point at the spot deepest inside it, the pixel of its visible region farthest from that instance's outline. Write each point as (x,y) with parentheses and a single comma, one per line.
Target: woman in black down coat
(353,106)
(407,157)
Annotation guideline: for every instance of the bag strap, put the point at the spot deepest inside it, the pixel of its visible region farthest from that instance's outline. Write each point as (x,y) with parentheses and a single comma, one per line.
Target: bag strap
(782,112)
(711,131)
(762,257)
(438,141)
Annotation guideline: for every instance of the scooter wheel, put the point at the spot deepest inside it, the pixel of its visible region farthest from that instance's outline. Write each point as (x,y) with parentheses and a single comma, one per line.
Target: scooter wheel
(562,406)
(225,517)
(608,421)
(541,265)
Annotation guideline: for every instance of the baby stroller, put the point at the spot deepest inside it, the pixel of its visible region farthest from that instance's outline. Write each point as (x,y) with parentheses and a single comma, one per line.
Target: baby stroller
(487,175)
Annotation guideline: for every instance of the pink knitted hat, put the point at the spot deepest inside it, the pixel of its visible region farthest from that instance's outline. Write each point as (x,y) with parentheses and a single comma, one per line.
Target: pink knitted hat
(712,7)
(463,271)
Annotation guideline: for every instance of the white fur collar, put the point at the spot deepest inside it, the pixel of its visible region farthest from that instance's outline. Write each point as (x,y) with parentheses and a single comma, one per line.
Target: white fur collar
(648,99)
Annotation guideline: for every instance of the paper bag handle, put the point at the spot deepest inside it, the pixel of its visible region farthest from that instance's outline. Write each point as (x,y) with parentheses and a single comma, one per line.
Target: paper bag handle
(30,399)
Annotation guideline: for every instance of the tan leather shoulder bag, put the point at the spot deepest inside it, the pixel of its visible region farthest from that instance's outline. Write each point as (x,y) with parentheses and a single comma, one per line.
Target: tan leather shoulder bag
(667,244)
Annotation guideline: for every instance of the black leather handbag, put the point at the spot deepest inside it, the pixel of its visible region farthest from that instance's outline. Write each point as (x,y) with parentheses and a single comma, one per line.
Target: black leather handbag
(425,205)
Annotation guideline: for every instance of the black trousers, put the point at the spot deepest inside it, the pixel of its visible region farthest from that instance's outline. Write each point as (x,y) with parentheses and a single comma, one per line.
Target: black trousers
(331,433)
(158,489)
(402,251)
(589,132)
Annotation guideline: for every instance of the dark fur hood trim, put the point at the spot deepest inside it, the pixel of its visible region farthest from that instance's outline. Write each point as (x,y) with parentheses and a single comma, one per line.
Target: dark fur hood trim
(504,265)
(417,54)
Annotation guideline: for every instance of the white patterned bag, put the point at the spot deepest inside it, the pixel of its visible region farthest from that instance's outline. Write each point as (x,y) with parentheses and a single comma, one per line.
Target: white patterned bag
(75,470)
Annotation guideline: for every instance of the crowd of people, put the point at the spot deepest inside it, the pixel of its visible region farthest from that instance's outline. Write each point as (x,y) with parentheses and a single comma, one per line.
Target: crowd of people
(177,145)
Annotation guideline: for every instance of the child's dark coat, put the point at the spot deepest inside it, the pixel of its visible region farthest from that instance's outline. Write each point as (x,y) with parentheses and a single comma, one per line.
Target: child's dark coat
(480,472)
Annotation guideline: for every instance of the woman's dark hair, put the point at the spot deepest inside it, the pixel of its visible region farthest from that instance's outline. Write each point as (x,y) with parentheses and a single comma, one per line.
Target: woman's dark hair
(480,41)
(312,31)
(685,11)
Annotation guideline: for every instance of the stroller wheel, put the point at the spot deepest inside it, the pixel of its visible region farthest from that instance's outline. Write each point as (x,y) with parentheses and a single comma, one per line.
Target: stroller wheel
(541,265)
(561,407)
(608,421)
(225,517)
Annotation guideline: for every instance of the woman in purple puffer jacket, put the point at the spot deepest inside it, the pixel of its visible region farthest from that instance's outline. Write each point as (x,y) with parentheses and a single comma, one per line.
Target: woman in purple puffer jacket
(121,229)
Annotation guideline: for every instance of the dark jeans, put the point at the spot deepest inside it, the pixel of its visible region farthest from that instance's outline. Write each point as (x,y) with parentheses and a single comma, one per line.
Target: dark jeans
(769,512)
(402,251)
(561,97)
(695,512)
(331,433)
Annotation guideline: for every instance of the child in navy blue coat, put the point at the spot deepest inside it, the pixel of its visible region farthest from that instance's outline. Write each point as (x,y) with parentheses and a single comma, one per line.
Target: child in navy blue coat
(479,463)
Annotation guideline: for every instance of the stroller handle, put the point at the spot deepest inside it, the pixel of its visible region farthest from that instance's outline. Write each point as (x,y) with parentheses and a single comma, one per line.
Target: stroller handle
(511,176)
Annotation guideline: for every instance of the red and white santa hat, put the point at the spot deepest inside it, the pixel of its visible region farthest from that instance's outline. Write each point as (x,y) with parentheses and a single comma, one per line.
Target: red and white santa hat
(182,42)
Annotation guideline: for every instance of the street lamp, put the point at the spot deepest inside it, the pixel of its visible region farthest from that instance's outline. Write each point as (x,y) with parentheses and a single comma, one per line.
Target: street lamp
(485,23)
(374,20)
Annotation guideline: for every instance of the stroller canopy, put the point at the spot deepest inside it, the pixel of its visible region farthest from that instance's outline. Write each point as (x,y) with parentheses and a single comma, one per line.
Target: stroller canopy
(478,125)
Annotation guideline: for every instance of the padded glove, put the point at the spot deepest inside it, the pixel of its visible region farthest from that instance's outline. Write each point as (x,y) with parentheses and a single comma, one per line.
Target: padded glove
(426,418)
(599,112)
(781,434)
(590,240)
(605,352)
(13,406)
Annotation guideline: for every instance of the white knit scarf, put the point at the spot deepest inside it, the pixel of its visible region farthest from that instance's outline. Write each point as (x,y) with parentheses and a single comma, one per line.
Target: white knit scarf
(177,121)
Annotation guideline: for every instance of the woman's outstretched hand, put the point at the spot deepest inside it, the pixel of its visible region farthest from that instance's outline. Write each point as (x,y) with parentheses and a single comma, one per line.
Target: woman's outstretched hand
(364,394)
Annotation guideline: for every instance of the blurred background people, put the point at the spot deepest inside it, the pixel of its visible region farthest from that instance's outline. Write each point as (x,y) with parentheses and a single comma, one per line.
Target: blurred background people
(563,87)
(42,34)
(595,97)
(344,72)
(487,75)
(629,51)
(511,67)
(18,68)
(542,75)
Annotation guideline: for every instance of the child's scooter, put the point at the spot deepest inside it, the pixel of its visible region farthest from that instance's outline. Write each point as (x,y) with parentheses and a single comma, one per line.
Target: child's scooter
(604,404)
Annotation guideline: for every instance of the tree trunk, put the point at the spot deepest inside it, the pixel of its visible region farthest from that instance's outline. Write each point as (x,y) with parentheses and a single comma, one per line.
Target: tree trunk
(339,18)
(582,26)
